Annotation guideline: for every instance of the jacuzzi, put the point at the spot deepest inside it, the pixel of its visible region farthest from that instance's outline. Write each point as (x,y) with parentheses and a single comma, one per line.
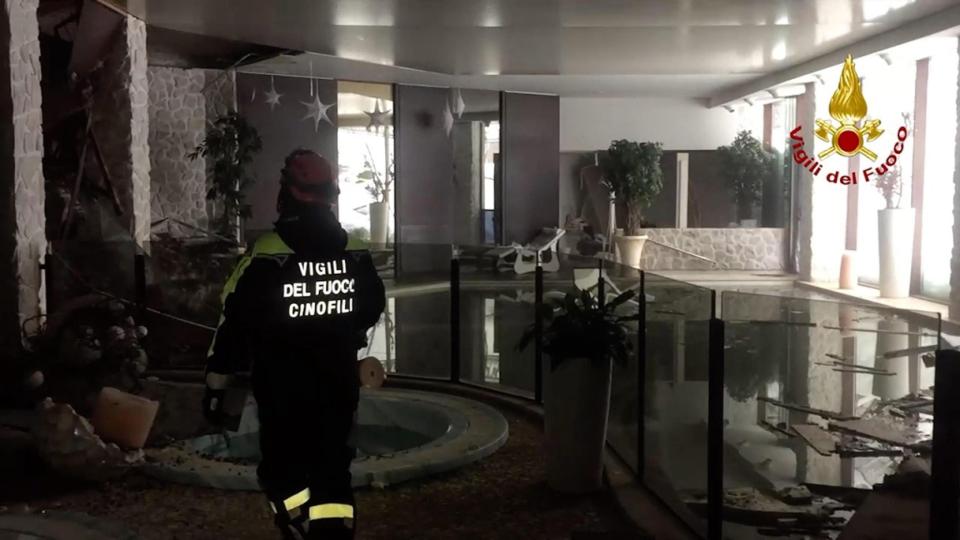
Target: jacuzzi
(401,435)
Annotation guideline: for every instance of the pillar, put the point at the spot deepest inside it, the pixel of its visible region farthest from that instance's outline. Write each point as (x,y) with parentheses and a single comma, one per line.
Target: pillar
(955,257)
(822,205)
(121,119)
(22,238)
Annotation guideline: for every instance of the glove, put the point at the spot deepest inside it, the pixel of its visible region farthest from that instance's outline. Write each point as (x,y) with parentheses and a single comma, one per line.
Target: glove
(213,398)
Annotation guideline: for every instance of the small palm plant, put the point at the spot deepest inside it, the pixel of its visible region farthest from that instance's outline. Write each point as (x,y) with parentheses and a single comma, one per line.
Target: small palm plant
(580,326)
(231,144)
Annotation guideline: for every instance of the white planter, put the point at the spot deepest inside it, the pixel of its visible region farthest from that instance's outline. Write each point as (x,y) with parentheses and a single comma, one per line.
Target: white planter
(576,406)
(895,242)
(379,217)
(630,249)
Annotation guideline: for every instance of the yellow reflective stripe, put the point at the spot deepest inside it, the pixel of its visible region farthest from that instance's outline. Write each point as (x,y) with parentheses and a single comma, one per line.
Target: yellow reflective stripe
(331,510)
(294,501)
(271,244)
(268,244)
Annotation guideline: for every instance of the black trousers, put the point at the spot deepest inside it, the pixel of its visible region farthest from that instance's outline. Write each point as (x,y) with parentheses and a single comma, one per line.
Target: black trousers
(306,416)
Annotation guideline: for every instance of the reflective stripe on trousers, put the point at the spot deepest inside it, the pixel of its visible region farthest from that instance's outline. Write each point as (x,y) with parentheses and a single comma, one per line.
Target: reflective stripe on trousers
(294,501)
(331,510)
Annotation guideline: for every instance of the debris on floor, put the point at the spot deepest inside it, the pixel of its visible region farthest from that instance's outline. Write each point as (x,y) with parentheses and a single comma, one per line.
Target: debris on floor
(884,429)
(818,438)
(912,478)
(803,408)
(804,511)
(68,443)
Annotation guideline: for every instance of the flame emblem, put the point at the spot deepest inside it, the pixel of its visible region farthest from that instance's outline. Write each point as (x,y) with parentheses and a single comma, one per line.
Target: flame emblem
(848,107)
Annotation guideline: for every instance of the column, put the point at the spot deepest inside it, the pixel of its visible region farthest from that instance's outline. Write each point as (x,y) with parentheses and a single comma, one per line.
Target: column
(22,238)
(121,119)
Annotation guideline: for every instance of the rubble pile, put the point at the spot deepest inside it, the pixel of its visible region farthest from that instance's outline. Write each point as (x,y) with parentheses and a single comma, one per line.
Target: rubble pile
(69,444)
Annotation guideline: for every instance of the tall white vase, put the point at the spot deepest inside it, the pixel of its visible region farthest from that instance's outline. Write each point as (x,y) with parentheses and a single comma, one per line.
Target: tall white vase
(630,249)
(379,216)
(895,242)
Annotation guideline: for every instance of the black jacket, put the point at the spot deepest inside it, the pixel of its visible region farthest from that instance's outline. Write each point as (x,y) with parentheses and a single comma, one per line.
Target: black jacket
(299,299)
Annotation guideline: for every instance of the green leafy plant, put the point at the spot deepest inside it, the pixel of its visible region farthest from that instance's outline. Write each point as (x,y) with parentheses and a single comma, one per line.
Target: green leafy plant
(632,171)
(376,183)
(745,164)
(231,143)
(580,327)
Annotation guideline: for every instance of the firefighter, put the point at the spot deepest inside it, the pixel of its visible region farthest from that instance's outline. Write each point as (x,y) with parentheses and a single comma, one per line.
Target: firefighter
(298,306)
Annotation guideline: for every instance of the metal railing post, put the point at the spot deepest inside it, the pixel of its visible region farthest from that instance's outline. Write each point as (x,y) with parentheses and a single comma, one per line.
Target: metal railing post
(944,465)
(601,286)
(715,425)
(538,332)
(642,378)
(455,318)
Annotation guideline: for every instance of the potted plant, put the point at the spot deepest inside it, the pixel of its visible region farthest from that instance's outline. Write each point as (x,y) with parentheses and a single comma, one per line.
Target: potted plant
(895,236)
(746,165)
(582,338)
(378,186)
(230,144)
(632,172)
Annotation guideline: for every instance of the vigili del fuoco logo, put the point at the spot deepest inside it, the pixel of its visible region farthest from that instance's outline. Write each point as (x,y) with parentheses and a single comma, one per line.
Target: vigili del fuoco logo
(851,137)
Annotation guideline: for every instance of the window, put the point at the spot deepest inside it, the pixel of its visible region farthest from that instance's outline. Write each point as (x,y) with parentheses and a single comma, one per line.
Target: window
(889,91)
(365,148)
(936,242)
(491,153)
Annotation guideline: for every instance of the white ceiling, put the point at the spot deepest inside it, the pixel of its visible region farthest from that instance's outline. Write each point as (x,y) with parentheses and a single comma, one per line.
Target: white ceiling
(689,48)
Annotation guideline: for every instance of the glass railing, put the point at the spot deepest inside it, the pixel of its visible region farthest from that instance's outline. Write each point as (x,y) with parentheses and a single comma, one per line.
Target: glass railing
(822,401)
(676,389)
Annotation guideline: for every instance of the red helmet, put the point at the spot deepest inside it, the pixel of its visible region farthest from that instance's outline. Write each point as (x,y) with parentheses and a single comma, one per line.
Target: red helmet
(308,177)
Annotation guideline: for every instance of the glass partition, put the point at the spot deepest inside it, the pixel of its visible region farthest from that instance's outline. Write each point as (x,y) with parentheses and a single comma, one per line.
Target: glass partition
(822,401)
(497,305)
(675,388)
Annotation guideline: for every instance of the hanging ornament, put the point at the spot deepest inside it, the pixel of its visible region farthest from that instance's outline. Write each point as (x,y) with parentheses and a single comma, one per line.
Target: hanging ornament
(311,78)
(272,97)
(447,119)
(317,110)
(378,117)
(253,95)
(458,105)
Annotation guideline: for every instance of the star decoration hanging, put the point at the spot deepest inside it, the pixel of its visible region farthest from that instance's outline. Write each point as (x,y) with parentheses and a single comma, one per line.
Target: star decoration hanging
(447,119)
(272,97)
(318,111)
(378,118)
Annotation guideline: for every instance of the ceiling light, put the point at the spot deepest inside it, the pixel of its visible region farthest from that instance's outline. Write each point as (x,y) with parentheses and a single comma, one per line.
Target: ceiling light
(779,51)
(729,108)
(886,58)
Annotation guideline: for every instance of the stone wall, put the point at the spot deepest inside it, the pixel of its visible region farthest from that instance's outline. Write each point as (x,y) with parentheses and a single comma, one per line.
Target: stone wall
(22,238)
(121,120)
(733,249)
(182,103)
(178,114)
